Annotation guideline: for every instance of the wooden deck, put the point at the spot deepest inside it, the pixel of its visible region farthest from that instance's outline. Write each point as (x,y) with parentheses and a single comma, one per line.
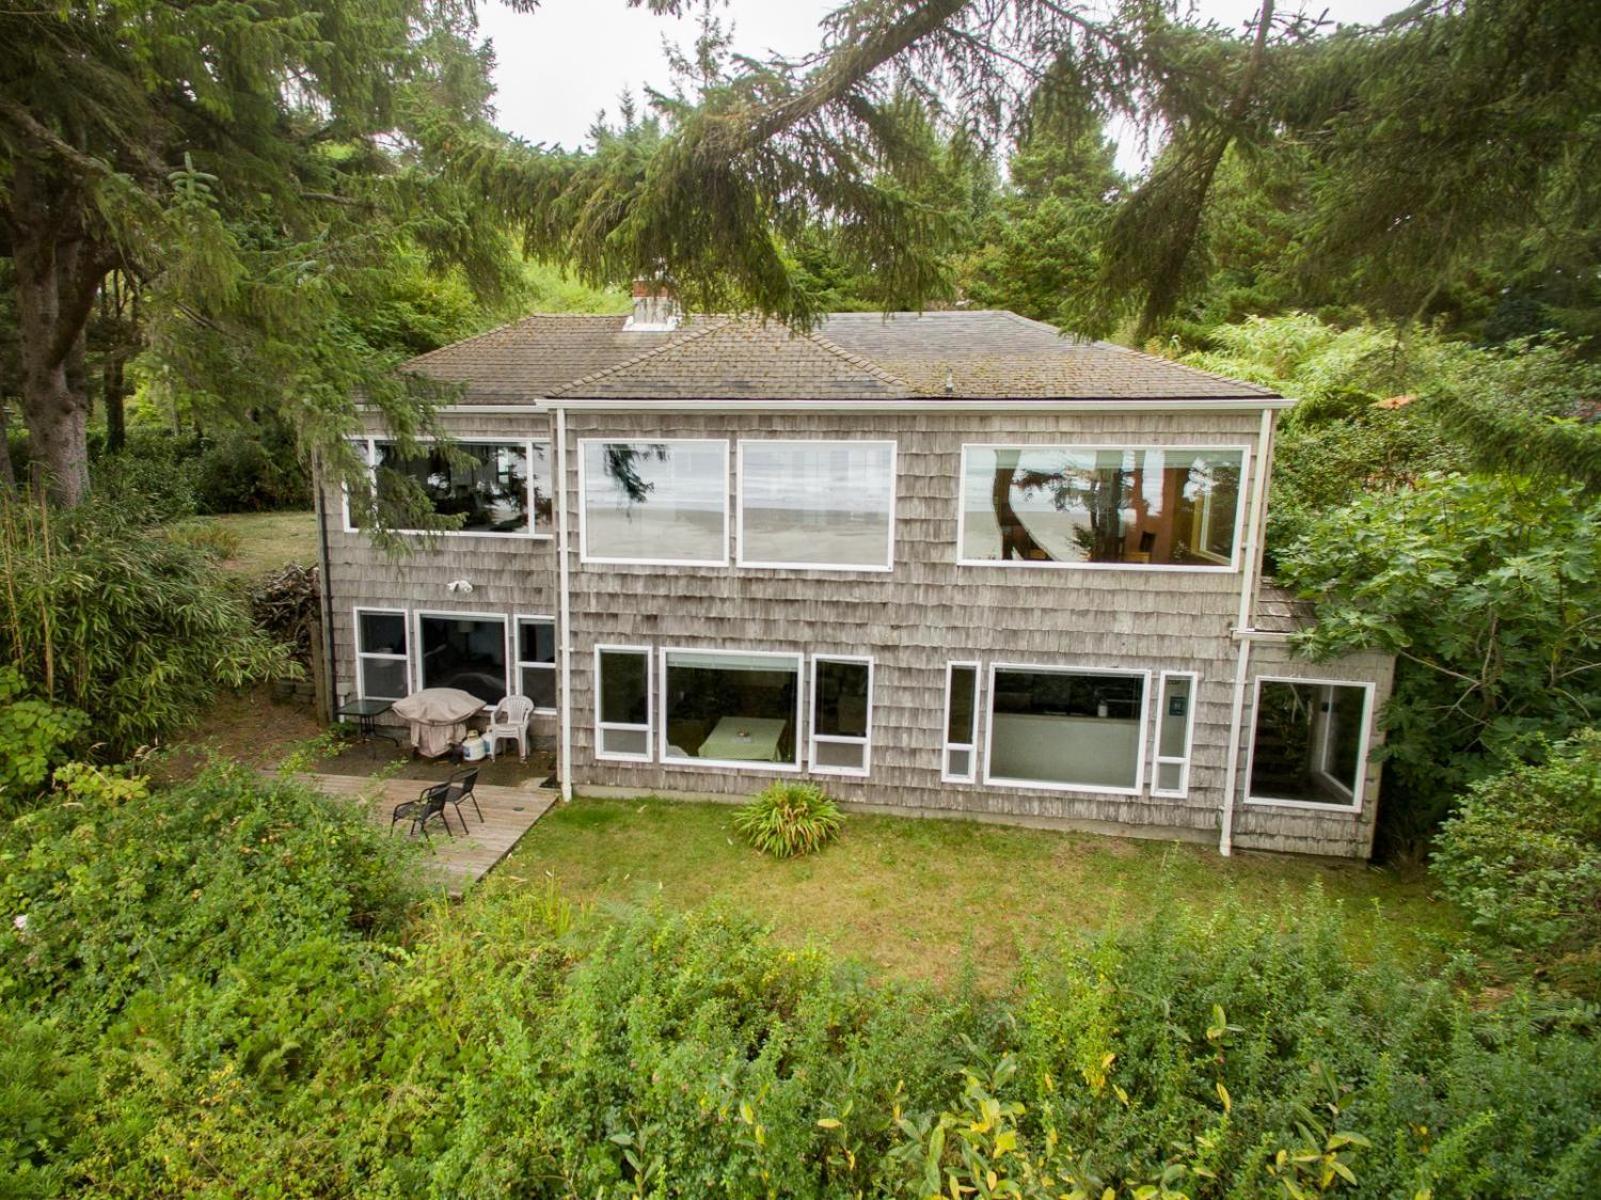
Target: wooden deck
(509,812)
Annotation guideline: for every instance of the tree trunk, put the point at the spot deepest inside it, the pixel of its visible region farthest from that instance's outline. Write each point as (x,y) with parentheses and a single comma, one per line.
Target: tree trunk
(8,473)
(58,271)
(115,383)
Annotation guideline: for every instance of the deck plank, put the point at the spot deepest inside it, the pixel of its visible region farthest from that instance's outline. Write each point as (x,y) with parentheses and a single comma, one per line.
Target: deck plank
(509,812)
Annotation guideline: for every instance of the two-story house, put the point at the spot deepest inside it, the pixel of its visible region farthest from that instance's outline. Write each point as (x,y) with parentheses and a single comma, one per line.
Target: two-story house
(948,564)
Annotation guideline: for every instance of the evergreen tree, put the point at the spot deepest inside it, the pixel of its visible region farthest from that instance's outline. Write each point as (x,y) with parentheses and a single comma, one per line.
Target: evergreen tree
(251,170)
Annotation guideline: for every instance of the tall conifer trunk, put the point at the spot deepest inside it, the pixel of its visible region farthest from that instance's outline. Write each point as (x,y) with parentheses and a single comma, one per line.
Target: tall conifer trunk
(58,272)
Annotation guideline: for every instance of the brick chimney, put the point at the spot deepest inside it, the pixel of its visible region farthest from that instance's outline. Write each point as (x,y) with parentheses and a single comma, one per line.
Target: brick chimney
(655,308)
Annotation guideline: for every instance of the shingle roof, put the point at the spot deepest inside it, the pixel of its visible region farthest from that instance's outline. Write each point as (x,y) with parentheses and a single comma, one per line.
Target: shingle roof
(532,357)
(852,356)
(735,359)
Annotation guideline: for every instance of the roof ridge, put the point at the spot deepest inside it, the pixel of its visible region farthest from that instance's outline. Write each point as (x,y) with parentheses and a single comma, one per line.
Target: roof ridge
(711,325)
(859,361)
(468,341)
(512,324)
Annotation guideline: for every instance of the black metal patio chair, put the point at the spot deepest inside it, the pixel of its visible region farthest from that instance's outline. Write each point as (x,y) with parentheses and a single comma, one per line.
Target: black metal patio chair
(423,809)
(460,787)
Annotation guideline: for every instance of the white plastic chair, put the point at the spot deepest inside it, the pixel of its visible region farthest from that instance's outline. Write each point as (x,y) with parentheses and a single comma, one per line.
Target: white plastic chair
(510,720)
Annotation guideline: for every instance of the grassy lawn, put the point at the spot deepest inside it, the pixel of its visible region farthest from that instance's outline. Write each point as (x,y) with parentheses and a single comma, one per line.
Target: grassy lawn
(269,540)
(924,898)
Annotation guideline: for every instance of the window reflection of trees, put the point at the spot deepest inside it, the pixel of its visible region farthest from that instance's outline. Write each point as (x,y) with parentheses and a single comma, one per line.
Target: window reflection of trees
(1104,492)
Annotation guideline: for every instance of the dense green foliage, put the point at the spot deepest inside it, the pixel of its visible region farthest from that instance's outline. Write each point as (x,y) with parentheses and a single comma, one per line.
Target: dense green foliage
(1522,857)
(1486,590)
(182,964)
(787,819)
(35,738)
(217,987)
(123,622)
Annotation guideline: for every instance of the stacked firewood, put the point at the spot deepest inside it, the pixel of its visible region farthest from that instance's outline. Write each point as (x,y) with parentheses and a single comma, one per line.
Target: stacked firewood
(287,605)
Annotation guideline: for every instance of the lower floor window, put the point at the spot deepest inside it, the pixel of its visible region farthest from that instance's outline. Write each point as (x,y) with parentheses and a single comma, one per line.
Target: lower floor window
(731,708)
(463,652)
(961,721)
(622,702)
(842,715)
(1175,719)
(1308,742)
(1066,728)
(382,664)
(536,661)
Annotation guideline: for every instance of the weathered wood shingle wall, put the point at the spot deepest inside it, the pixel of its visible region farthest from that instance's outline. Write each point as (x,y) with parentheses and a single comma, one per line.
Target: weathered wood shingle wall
(510,576)
(926,613)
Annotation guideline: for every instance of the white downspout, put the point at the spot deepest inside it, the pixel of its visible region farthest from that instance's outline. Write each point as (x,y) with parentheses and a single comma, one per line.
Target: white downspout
(564,749)
(1253,554)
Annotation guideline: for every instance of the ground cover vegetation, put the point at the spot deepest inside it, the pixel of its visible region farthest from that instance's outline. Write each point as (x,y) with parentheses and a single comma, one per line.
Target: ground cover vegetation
(228,984)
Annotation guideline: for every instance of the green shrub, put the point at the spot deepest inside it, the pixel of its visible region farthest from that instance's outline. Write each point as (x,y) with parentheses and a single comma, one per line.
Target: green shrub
(250,469)
(35,737)
(216,992)
(1522,855)
(120,621)
(789,819)
(192,979)
(151,480)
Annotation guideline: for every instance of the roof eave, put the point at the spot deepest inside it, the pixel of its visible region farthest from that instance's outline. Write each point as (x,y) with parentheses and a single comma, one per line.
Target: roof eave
(923,404)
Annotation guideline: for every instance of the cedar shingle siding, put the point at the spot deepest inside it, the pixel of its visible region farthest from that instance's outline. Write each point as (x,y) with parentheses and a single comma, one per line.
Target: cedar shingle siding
(928,611)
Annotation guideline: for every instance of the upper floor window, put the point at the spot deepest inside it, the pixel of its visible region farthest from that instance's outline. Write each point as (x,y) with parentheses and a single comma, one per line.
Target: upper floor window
(817,504)
(656,502)
(1165,506)
(494,487)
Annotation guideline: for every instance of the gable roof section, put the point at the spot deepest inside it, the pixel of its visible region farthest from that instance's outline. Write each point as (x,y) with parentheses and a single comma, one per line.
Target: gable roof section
(727,359)
(853,357)
(530,358)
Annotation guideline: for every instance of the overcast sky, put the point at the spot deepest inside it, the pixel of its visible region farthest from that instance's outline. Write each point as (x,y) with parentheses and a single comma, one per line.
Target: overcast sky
(571,58)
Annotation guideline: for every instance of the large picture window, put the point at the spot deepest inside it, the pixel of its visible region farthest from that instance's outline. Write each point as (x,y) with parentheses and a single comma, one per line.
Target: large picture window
(536,661)
(465,651)
(494,487)
(731,708)
(654,502)
(1066,728)
(381,660)
(1162,506)
(622,703)
(1308,743)
(817,504)
(842,715)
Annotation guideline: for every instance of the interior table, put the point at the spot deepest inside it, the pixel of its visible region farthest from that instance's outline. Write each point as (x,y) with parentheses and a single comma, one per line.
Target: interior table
(745,739)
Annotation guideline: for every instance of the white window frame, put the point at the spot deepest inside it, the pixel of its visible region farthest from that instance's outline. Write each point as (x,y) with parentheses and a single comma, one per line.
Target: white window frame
(532,533)
(1141,740)
(866,743)
(601,754)
(1222,568)
(946,745)
(584,556)
(725,764)
(1357,797)
(739,505)
(519,663)
(450,615)
(1158,759)
(356,614)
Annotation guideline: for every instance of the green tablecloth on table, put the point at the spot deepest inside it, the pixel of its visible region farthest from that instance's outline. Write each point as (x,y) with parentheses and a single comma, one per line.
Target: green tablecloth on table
(744,739)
